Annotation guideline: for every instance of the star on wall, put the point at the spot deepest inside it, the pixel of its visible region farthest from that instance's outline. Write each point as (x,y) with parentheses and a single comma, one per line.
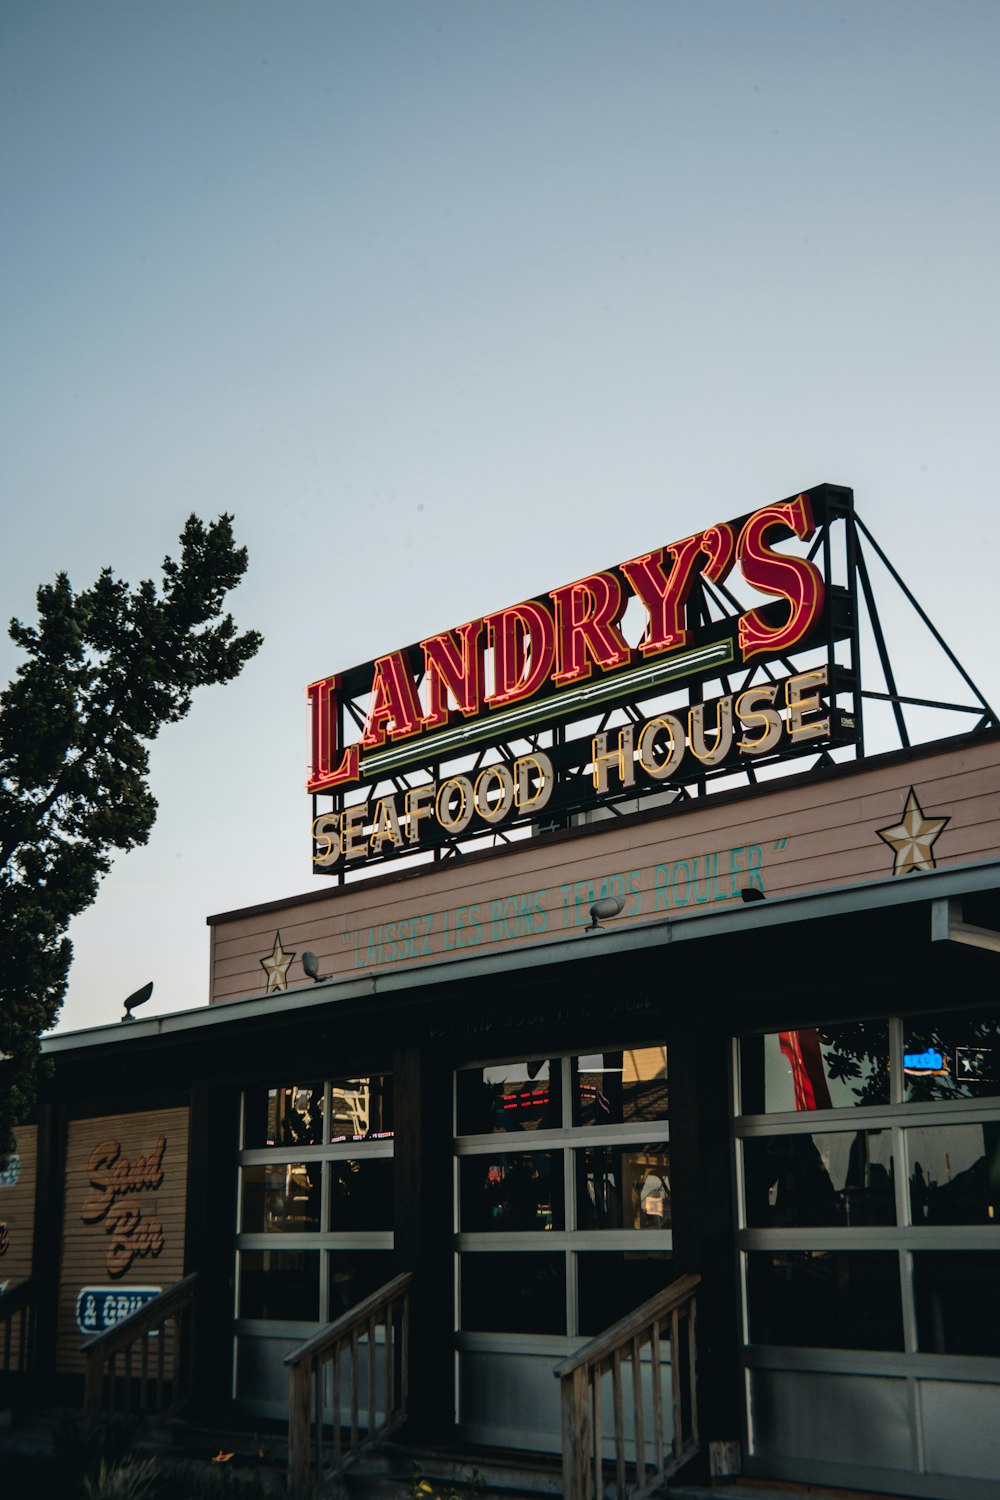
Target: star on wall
(276,966)
(912,838)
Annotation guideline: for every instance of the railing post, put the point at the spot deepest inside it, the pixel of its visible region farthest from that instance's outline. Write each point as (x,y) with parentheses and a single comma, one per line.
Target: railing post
(576,1435)
(659,1319)
(341,1341)
(298,1428)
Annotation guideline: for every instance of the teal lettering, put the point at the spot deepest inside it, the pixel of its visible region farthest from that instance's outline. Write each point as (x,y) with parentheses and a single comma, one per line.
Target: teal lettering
(755,867)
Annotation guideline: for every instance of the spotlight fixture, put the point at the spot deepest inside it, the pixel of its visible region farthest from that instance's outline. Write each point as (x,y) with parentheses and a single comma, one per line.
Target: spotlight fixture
(311,965)
(752,893)
(608,906)
(138,998)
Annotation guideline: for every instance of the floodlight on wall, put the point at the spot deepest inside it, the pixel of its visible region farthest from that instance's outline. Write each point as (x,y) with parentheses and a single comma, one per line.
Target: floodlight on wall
(311,965)
(608,906)
(138,998)
(752,893)
(596,1062)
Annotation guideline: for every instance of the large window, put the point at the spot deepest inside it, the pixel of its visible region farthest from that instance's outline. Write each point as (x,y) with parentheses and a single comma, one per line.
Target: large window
(869,1172)
(563,1197)
(315,1199)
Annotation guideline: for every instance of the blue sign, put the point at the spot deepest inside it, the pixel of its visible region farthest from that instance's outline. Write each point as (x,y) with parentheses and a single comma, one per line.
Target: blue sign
(101,1307)
(11,1172)
(923,1062)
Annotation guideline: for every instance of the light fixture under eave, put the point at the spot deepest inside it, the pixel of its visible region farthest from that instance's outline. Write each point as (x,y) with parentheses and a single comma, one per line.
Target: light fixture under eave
(310,964)
(608,906)
(752,893)
(139,997)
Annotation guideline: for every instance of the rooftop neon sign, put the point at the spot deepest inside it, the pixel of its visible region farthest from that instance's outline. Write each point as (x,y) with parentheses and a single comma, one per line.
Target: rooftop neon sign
(535,662)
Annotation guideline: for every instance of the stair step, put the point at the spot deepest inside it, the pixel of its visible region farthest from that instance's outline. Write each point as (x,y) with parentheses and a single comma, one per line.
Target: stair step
(471,1473)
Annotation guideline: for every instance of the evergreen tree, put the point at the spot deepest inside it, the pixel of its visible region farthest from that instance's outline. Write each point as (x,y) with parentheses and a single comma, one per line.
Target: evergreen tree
(104,670)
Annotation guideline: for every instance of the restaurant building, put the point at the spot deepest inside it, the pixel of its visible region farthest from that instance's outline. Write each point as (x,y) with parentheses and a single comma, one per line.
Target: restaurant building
(628,962)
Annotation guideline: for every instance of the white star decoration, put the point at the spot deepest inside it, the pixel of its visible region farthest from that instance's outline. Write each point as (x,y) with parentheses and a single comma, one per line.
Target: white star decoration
(276,966)
(912,838)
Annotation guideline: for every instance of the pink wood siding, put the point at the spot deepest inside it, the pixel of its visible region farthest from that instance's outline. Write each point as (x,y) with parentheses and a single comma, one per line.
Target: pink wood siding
(792,836)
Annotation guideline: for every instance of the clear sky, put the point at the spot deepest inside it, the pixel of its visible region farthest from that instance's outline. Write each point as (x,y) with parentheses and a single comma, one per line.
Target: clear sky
(453,301)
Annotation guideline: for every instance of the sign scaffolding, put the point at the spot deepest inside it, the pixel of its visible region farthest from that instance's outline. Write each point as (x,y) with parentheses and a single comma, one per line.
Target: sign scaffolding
(703,665)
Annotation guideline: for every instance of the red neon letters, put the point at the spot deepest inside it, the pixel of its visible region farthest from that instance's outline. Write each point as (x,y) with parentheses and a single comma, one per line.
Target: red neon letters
(512,655)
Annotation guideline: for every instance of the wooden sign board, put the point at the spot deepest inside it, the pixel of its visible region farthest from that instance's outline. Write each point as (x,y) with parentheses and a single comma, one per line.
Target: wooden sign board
(123,1228)
(17,1218)
(876,820)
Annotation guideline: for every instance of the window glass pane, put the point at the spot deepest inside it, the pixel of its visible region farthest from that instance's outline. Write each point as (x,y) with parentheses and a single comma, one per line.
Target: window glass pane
(361,1108)
(290,1115)
(509,1096)
(955,1174)
(623,1187)
(281,1198)
(825,1299)
(957,1294)
(354,1275)
(613,1282)
(361,1194)
(824,1067)
(279,1284)
(523,1293)
(833,1177)
(516,1190)
(952,1057)
(613,1087)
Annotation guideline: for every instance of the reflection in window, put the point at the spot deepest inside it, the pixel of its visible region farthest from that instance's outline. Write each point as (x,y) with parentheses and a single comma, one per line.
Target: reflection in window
(361,1108)
(523,1293)
(955,1174)
(612,1088)
(279,1284)
(291,1115)
(953,1057)
(612,1283)
(833,1177)
(360,1194)
(509,1097)
(354,1275)
(814,1068)
(517,1190)
(957,1294)
(283,1198)
(623,1187)
(831,1299)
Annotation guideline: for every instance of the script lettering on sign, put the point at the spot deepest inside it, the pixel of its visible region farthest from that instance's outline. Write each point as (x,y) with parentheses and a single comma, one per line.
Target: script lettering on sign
(133,1233)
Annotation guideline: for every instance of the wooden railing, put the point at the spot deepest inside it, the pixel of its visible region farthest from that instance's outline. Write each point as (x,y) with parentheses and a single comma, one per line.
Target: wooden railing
(317,1403)
(17,1328)
(144,1364)
(667,1317)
